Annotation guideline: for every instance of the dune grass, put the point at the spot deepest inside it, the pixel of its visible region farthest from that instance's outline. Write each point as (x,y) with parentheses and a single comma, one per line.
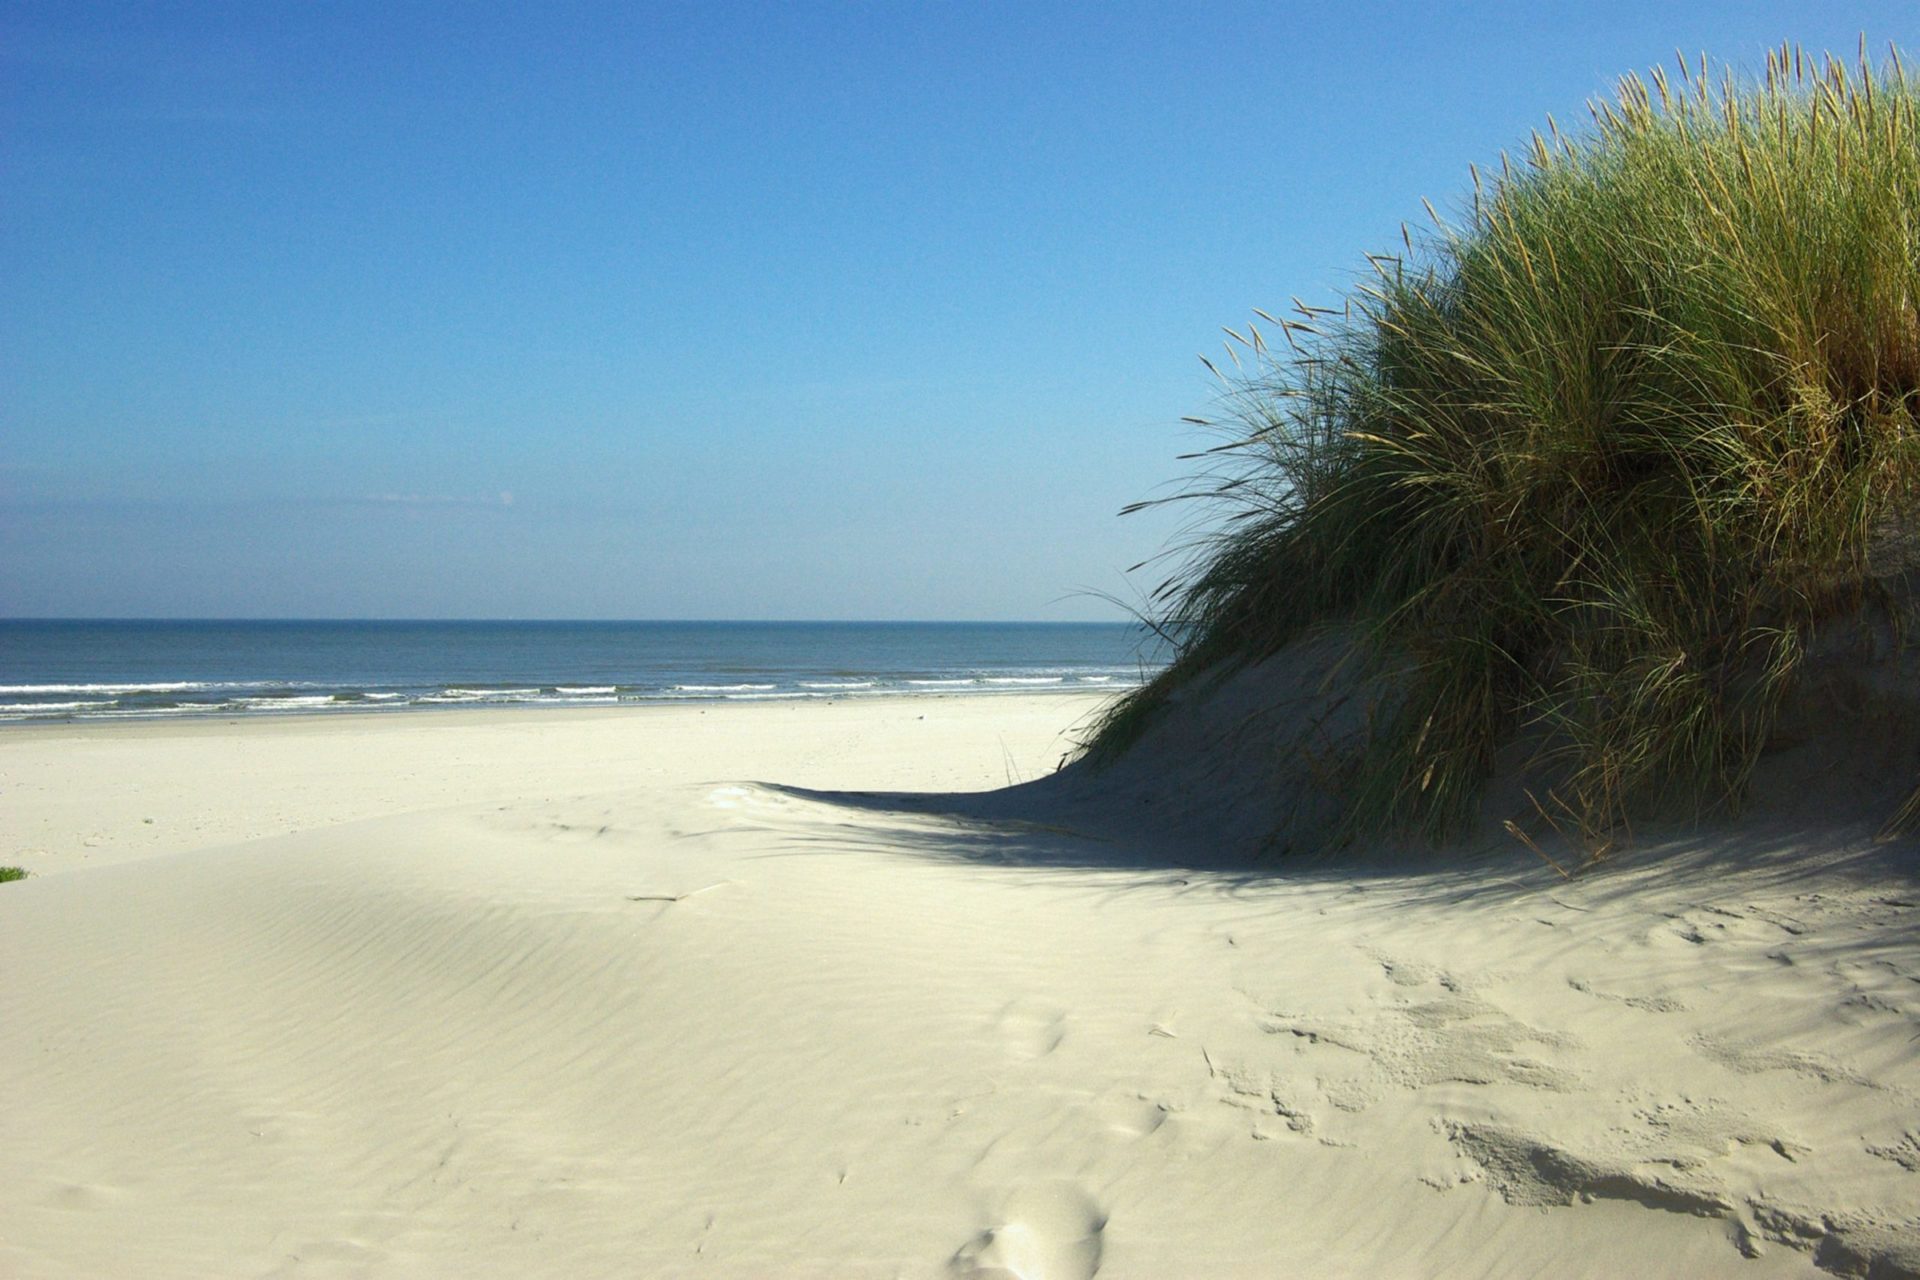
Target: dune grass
(1585,470)
(12,873)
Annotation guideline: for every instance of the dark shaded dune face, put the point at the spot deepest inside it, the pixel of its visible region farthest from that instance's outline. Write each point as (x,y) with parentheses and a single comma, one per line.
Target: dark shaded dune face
(1251,764)
(1847,742)
(1244,760)
(1237,765)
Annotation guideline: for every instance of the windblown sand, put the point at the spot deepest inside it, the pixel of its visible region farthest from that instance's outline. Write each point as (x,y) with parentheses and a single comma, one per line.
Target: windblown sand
(579,994)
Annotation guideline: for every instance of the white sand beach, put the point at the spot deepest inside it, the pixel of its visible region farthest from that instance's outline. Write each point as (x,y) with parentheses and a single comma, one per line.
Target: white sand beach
(622,993)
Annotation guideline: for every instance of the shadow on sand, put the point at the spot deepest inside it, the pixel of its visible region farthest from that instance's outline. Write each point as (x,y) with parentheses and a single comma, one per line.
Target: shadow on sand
(1028,827)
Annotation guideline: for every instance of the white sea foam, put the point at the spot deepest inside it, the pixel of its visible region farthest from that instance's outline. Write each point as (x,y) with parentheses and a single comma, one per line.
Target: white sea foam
(722,688)
(600,694)
(304,702)
(943,684)
(838,684)
(167,686)
(756,694)
(1024,680)
(463,695)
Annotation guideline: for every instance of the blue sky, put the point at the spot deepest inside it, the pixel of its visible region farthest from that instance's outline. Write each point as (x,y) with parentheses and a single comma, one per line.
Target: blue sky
(707,310)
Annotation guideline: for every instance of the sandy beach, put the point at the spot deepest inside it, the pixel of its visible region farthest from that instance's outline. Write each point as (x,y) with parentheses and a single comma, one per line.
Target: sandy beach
(629,993)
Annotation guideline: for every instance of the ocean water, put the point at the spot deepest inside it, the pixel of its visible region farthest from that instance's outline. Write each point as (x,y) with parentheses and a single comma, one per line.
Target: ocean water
(57,670)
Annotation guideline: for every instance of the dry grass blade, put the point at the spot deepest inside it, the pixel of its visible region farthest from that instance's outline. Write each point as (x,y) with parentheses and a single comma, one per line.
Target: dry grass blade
(1513,829)
(677,897)
(1903,822)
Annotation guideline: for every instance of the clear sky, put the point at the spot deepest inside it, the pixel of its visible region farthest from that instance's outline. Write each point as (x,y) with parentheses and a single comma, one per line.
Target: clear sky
(636,310)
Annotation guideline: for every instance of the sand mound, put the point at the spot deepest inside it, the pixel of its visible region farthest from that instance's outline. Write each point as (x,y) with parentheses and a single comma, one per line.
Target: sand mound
(717,1028)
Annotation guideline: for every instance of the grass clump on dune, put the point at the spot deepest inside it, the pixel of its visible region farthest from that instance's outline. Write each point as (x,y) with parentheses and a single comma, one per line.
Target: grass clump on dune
(1585,471)
(12,873)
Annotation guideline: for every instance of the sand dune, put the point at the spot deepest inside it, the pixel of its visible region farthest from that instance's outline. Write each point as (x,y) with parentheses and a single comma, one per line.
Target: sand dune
(532,994)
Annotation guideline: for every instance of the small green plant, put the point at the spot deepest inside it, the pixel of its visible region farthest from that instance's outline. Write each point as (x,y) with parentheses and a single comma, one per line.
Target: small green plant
(1586,470)
(12,873)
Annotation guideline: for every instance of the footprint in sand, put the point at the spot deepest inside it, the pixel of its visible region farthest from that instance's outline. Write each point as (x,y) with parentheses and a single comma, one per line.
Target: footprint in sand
(1031,1029)
(1751,1057)
(1665,1157)
(1644,1003)
(1047,1231)
(1133,1117)
(1445,1039)
(1704,925)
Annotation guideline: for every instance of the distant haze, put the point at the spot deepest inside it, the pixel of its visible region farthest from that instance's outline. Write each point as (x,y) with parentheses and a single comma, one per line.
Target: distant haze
(698,311)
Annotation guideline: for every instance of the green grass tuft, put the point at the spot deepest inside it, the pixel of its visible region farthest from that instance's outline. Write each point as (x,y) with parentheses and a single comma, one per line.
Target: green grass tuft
(12,873)
(1587,469)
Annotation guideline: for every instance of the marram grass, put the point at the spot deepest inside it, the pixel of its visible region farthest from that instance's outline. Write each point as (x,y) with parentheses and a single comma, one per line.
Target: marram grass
(1585,471)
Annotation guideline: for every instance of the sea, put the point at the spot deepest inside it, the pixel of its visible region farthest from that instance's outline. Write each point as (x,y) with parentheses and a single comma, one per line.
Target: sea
(97,670)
